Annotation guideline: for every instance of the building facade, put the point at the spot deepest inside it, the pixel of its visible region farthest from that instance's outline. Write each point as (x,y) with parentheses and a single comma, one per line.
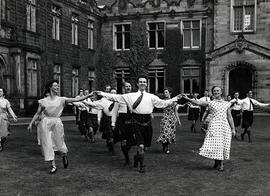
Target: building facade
(46,39)
(240,58)
(178,33)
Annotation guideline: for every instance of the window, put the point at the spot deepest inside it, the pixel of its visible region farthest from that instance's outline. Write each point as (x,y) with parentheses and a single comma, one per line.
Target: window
(56,13)
(91,79)
(75,82)
(74,33)
(31,15)
(121,36)
(156,35)
(90,29)
(32,77)
(191,34)
(122,75)
(191,79)
(243,15)
(156,81)
(3,9)
(57,75)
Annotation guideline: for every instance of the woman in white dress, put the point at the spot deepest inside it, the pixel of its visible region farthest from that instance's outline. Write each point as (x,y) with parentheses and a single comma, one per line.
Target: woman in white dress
(51,127)
(217,142)
(5,109)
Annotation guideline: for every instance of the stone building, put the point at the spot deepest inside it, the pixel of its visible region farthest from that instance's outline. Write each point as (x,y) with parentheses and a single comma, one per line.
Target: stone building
(45,39)
(240,59)
(177,32)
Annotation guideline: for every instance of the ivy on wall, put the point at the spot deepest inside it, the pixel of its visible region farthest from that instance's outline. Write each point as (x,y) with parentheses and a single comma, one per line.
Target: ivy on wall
(106,63)
(139,56)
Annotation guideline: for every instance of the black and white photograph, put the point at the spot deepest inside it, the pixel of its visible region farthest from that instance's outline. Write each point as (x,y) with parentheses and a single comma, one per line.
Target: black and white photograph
(134,97)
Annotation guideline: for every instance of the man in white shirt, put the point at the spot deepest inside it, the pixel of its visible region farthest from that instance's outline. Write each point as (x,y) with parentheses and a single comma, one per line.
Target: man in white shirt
(141,104)
(204,98)
(247,117)
(107,121)
(236,109)
(123,128)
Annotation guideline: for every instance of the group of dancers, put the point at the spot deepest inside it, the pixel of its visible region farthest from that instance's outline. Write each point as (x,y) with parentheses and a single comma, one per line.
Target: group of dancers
(127,118)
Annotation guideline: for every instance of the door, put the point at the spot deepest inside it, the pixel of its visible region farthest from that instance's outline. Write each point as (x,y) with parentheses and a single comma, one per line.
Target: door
(240,80)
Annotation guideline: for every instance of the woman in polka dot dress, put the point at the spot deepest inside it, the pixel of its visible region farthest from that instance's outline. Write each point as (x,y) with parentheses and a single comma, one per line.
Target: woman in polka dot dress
(217,142)
(168,123)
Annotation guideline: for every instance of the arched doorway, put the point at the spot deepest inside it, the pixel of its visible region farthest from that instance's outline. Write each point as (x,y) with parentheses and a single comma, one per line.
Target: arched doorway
(241,80)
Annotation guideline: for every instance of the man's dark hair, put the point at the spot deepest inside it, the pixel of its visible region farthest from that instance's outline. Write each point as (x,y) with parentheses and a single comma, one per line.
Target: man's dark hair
(142,76)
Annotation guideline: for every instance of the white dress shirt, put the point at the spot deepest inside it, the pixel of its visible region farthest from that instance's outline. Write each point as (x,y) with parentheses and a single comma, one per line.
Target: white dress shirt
(205,99)
(247,105)
(237,104)
(146,106)
(104,104)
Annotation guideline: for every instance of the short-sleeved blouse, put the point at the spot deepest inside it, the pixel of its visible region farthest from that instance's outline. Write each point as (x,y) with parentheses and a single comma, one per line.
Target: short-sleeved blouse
(53,107)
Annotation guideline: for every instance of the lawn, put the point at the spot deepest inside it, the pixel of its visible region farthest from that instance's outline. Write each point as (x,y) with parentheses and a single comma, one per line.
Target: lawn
(93,171)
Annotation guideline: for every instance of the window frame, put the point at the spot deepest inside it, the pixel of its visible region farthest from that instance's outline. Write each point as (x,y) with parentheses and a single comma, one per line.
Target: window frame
(31,20)
(156,34)
(75,20)
(30,91)
(75,75)
(123,40)
(4,10)
(57,75)
(233,22)
(90,34)
(91,78)
(125,74)
(190,77)
(56,15)
(156,70)
(191,36)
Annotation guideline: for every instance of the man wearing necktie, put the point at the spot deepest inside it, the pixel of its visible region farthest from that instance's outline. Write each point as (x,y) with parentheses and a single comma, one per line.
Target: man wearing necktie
(204,98)
(247,117)
(236,111)
(141,104)
(107,119)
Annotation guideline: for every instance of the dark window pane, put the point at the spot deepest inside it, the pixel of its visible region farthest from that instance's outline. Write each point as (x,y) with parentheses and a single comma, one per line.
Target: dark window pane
(187,38)
(127,27)
(152,39)
(196,38)
(119,41)
(160,39)
(118,28)
(127,40)
(196,24)
(119,85)
(152,26)
(160,25)
(195,85)
(186,24)
(160,85)
(152,85)
(186,72)
(187,86)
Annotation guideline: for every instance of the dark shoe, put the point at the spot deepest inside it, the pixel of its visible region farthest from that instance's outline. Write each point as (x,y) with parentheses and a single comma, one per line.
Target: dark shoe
(65,161)
(242,137)
(53,170)
(221,168)
(142,169)
(136,161)
(216,165)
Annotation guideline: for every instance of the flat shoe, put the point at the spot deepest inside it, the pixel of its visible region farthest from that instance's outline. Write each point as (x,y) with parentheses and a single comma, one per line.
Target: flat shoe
(65,161)
(53,170)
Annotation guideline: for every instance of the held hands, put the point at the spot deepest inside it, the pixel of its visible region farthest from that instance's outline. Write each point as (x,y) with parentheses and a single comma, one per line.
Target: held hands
(233,132)
(185,96)
(15,118)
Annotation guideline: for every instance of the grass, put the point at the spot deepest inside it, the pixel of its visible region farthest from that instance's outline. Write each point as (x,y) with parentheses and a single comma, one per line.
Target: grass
(92,171)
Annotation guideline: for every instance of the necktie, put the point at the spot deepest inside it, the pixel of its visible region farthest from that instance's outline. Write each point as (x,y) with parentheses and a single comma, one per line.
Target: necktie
(251,105)
(128,111)
(137,102)
(111,107)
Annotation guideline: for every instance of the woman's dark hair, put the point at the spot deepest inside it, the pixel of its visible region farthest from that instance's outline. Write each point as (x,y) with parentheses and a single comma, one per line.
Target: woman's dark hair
(4,91)
(170,89)
(49,84)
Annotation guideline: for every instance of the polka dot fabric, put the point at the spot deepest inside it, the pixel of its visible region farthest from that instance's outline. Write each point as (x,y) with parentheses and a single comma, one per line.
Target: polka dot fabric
(217,142)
